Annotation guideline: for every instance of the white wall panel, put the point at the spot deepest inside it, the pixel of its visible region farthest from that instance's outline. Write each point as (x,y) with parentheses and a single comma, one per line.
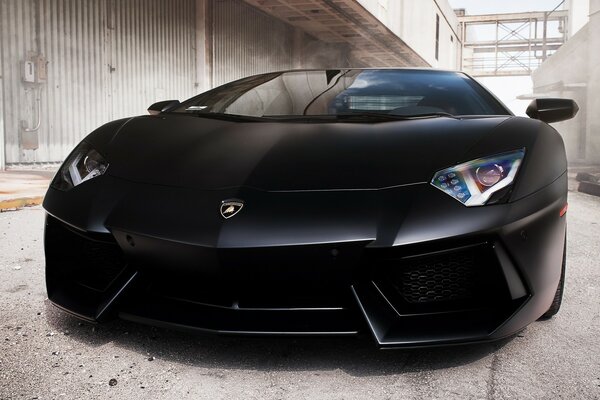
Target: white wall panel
(107,59)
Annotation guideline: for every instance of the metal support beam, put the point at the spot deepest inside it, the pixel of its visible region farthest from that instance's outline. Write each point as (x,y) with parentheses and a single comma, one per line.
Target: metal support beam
(2,137)
(545,37)
(526,47)
(204,45)
(516,42)
(513,17)
(482,74)
(516,48)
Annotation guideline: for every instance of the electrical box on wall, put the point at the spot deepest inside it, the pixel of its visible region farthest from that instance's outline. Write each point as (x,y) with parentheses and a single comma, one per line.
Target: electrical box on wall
(35,69)
(28,71)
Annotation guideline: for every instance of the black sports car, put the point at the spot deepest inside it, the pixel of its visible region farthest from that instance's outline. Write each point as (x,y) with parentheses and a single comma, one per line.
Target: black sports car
(406,202)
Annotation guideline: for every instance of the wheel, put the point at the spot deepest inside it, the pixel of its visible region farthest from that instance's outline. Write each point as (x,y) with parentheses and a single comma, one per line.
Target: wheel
(559,291)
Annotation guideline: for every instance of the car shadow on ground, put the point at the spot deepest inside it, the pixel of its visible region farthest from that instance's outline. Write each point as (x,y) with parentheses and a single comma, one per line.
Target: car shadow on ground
(357,356)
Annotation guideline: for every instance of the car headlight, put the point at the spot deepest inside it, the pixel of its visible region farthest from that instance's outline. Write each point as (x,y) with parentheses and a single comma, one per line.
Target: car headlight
(473,183)
(83,164)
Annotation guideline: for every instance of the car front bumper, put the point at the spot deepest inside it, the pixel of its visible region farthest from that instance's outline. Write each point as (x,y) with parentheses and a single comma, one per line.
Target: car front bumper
(409,264)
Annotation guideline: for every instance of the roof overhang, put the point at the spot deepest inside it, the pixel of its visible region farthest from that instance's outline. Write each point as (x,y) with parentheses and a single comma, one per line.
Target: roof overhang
(345,22)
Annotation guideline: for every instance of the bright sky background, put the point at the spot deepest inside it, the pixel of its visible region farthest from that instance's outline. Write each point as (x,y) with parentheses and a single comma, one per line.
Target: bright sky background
(507,88)
(503,6)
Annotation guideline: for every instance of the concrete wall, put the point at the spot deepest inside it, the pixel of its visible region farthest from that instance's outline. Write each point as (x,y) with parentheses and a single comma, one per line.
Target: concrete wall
(579,11)
(574,72)
(593,90)
(565,75)
(414,22)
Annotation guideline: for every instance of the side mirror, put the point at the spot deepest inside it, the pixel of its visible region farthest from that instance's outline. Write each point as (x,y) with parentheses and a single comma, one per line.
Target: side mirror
(552,110)
(162,106)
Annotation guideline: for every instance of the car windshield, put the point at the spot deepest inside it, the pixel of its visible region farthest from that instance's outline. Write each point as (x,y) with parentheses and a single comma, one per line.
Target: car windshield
(331,93)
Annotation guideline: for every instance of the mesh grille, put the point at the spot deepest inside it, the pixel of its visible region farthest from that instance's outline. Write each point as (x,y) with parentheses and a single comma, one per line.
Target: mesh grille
(437,278)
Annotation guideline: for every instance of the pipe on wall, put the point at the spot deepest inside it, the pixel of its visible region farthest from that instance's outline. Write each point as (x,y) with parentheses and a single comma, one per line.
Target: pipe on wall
(2,151)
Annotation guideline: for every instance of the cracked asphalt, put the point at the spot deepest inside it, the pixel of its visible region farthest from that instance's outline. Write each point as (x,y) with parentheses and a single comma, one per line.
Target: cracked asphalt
(46,354)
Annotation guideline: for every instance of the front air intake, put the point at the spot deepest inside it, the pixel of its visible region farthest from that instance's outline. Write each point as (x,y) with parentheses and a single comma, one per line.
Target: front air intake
(428,280)
(437,278)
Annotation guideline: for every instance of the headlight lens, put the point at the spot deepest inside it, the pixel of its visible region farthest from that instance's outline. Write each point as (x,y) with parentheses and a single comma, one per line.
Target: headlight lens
(474,182)
(83,164)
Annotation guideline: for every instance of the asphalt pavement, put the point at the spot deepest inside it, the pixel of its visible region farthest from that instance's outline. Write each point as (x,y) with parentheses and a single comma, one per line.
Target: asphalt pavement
(46,354)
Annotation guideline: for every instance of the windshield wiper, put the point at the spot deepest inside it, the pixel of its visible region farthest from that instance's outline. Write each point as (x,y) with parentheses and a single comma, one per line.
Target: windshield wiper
(226,117)
(350,117)
(390,117)
(358,116)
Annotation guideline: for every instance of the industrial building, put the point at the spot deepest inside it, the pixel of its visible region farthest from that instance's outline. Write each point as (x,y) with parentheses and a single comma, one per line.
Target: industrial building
(68,66)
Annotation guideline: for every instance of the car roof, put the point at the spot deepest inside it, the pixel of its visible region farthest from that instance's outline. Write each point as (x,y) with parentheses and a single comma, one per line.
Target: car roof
(363,69)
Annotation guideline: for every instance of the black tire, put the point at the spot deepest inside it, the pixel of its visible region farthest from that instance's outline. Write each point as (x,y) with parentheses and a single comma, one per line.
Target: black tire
(559,291)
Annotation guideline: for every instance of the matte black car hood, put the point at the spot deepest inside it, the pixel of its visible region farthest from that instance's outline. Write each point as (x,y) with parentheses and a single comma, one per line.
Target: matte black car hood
(201,153)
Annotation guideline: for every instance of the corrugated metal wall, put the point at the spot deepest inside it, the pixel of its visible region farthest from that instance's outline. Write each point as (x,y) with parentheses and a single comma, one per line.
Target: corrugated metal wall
(109,59)
(153,55)
(247,41)
(106,59)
